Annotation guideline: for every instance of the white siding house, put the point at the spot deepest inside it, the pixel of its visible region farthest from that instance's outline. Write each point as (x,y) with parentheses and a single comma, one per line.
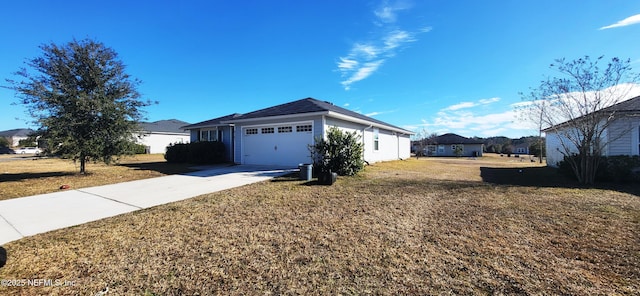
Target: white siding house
(14,136)
(156,136)
(281,135)
(622,136)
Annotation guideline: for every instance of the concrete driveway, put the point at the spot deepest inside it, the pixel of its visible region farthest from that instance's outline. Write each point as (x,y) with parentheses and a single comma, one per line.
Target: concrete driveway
(26,216)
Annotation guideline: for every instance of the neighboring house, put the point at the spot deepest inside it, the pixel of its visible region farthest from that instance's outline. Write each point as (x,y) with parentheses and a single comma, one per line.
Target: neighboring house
(14,136)
(446,145)
(622,135)
(282,134)
(521,149)
(156,136)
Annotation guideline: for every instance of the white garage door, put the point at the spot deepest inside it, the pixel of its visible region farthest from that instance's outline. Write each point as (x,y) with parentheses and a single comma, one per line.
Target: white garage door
(281,144)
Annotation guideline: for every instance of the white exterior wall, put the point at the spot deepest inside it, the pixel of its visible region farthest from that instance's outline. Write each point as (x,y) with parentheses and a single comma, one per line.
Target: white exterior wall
(623,137)
(158,142)
(554,147)
(391,145)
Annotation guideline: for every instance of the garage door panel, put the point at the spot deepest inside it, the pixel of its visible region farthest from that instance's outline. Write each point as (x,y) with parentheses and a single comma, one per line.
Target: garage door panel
(277,145)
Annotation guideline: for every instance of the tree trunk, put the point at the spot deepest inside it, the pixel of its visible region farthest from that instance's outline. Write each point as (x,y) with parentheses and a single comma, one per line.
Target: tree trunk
(83,161)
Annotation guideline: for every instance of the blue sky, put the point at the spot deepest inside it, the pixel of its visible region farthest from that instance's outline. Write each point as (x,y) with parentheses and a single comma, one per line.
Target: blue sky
(442,66)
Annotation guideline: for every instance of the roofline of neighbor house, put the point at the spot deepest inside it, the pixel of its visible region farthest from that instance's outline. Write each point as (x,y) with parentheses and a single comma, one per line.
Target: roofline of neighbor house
(611,109)
(164,133)
(625,113)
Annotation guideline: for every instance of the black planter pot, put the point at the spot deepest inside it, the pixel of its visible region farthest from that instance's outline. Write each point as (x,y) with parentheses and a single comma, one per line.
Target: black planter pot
(327,178)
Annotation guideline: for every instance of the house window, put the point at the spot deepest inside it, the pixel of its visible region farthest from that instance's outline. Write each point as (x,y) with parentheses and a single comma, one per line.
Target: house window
(251,131)
(303,128)
(267,130)
(376,139)
(440,149)
(208,135)
(285,129)
(459,146)
(431,150)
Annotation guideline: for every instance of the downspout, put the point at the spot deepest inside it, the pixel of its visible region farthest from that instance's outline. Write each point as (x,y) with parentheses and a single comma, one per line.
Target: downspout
(398,145)
(363,143)
(232,137)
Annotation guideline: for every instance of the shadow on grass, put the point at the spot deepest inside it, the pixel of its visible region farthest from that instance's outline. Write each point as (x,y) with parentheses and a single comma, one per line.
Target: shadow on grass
(545,177)
(27,176)
(291,177)
(161,167)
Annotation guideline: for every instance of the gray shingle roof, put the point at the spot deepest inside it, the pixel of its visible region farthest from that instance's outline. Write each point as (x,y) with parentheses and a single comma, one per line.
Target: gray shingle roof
(630,105)
(625,107)
(449,139)
(166,126)
(212,122)
(18,132)
(310,105)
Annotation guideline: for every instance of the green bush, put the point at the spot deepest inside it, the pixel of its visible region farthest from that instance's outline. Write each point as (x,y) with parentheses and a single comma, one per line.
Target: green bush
(196,153)
(341,153)
(619,168)
(139,149)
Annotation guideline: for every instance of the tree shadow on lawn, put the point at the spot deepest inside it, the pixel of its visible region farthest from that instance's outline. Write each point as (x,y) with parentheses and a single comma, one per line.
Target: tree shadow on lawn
(545,177)
(164,168)
(26,176)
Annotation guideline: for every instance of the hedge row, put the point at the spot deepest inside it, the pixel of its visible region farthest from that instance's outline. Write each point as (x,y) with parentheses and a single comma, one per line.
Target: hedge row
(196,153)
(619,168)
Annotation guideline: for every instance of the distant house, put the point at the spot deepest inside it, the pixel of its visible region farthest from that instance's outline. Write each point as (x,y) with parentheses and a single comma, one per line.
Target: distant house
(521,149)
(447,144)
(14,136)
(623,133)
(156,136)
(281,135)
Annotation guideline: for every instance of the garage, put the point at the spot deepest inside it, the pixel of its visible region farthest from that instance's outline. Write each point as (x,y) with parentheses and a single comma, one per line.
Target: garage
(283,144)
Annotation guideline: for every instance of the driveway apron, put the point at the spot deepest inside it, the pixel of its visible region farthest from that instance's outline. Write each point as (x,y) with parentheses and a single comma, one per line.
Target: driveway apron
(26,216)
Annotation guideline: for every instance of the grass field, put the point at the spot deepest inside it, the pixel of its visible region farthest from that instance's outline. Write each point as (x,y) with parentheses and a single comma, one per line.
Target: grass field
(30,176)
(421,227)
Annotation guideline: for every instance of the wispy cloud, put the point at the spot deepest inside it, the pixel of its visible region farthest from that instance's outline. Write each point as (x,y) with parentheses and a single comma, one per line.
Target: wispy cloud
(460,106)
(464,105)
(634,19)
(388,12)
(472,119)
(366,57)
(375,113)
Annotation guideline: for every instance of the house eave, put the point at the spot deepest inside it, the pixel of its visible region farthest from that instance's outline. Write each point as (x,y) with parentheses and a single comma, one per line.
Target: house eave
(200,126)
(368,122)
(163,133)
(277,117)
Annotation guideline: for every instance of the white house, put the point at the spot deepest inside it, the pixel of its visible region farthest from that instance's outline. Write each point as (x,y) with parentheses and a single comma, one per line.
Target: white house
(156,136)
(281,135)
(14,136)
(622,134)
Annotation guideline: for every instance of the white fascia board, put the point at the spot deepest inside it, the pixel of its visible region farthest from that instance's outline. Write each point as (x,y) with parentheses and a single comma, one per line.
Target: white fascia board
(367,122)
(279,117)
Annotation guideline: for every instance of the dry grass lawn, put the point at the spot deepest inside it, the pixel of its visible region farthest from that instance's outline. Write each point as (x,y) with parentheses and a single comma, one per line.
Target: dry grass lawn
(30,176)
(417,227)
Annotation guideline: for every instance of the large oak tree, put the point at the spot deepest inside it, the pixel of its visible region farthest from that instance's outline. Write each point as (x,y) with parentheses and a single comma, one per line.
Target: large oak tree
(85,104)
